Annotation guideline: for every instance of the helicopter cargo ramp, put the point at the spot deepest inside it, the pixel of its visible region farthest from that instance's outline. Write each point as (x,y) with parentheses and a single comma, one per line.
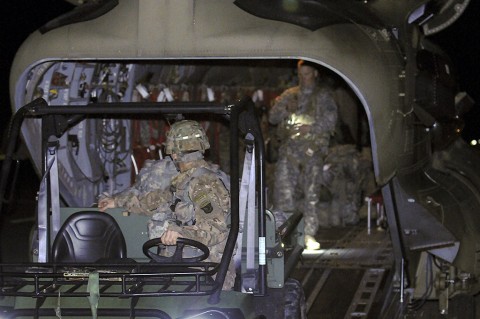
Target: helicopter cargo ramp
(347,277)
(351,277)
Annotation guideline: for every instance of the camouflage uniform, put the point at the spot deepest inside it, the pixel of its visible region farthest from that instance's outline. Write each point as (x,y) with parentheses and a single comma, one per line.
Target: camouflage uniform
(201,211)
(201,196)
(200,201)
(151,192)
(300,158)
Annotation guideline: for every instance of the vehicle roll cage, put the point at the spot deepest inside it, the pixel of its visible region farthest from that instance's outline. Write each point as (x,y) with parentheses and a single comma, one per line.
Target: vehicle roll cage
(57,119)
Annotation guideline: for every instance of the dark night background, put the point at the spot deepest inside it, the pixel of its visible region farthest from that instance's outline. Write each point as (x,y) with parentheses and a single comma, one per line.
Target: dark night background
(21,17)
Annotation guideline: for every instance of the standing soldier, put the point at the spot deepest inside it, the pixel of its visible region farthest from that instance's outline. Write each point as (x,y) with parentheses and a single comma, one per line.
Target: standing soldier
(306,116)
(200,201)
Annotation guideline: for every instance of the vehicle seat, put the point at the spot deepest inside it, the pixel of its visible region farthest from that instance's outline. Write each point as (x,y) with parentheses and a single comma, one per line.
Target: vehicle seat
(88,236)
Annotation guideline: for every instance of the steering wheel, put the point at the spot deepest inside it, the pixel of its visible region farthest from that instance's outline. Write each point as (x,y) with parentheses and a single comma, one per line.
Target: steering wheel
(177,257)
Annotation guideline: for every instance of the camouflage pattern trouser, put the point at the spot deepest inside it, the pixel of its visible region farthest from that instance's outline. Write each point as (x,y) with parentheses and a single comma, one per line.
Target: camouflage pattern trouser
(346,174)
(298,181)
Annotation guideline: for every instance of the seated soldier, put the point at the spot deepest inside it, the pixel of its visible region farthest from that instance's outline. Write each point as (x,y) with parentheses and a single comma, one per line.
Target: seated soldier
(196,202)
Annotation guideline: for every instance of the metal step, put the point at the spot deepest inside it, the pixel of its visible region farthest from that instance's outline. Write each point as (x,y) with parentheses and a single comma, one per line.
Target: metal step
(365,294)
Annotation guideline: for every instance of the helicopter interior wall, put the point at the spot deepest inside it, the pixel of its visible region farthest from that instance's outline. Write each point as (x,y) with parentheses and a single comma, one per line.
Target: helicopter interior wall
(99,156)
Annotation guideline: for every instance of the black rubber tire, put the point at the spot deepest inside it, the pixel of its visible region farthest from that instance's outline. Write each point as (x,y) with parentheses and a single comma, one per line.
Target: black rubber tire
(294,300)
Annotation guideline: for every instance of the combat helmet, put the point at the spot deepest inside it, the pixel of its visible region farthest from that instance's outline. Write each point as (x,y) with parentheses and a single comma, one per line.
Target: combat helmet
(186,136)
